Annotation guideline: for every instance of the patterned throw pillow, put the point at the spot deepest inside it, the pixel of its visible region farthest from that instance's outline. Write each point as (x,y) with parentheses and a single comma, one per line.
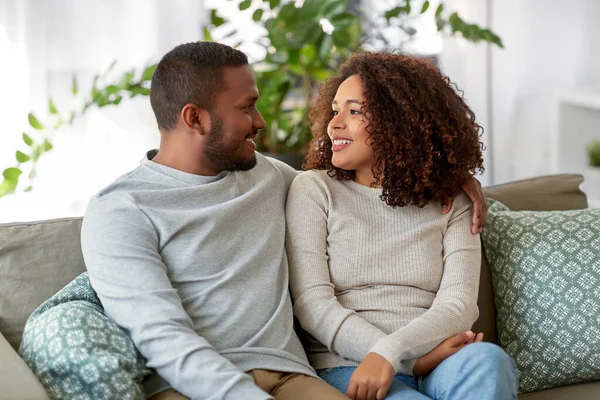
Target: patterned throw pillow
(77,352)
(546,276)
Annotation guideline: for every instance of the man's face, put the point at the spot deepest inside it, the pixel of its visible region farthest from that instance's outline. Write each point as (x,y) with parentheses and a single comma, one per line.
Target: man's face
(235,122)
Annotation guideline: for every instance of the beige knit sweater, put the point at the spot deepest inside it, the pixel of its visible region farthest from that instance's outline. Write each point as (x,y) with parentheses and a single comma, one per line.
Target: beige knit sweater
(367,277)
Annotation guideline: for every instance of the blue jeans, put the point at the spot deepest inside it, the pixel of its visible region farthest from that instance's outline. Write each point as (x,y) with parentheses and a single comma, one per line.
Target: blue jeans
(479,371)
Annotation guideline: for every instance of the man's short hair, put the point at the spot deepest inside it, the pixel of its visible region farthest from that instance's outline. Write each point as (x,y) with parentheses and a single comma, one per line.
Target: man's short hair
(190,73)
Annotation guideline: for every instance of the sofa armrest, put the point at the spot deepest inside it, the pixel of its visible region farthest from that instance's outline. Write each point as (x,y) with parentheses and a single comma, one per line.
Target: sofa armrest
(17,381)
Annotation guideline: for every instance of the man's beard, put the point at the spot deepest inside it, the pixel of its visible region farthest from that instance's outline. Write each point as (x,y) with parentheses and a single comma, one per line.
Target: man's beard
(222,155)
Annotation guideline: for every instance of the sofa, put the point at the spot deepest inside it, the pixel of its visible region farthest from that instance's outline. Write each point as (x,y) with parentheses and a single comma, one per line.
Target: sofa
(39,258)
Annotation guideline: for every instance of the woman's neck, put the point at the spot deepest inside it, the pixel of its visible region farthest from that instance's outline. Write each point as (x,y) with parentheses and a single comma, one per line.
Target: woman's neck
(365,178)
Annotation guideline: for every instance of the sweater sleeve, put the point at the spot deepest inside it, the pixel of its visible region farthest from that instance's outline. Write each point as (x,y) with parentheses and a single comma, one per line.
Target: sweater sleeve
(315,303)
(121,252)
(454,308)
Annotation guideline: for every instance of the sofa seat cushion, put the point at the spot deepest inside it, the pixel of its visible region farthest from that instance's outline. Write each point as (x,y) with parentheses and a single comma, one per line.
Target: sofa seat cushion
(16,379)
(546,276)
(581,391)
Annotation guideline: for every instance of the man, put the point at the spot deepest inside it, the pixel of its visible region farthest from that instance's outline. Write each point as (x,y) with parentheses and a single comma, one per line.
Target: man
(186,252)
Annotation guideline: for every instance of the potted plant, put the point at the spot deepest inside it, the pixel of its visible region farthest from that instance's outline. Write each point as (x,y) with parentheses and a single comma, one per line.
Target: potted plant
(305,41)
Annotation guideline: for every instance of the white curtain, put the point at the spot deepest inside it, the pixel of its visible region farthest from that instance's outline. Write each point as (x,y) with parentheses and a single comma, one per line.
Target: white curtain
(42,45)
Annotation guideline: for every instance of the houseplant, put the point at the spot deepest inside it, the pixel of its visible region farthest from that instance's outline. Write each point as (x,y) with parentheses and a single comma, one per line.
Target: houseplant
(304,42)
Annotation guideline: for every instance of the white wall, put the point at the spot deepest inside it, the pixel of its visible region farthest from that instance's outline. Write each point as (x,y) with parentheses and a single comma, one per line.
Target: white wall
(466,65)
(46,43)
(551,47)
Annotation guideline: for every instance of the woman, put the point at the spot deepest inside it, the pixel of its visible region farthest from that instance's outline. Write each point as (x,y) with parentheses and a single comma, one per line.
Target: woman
(379,277)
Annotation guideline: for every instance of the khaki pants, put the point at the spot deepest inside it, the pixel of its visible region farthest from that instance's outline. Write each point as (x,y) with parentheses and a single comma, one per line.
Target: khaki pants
(281,385)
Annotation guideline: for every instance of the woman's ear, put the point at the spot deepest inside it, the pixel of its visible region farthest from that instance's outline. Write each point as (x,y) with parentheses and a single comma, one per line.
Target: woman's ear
(196,118)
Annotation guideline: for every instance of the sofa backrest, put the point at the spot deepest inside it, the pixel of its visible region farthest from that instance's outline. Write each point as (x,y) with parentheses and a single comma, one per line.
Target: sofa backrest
(36,260)
(545,193)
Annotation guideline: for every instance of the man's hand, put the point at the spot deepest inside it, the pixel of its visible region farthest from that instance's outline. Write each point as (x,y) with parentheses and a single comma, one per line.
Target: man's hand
(448,347)
(372,378)
(473,189)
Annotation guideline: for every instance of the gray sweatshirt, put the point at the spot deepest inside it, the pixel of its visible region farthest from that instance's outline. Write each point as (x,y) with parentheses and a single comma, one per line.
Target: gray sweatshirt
(194,269)
(373,278)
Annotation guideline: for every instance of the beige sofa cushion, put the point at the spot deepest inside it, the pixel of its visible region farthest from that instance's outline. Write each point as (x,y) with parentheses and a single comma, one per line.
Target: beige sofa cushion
(545,193)
(17,382)
(37,259)
(582,391)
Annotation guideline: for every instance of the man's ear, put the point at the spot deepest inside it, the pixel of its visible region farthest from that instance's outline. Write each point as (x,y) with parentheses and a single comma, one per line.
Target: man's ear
(196,118)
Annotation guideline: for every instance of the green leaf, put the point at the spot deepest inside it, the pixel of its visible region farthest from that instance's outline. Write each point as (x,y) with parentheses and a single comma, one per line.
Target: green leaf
(124,83)
(326,45)
(288,13)
(244,5)
(215,19)
(394,12)
(497,41)
(12,174)
(74,88)
(308,53)
(425,7)
(52,107)
(321,74)
(456,22)
(274,3)
(296,69)
(148,72)
(33,121)
(439,10)
(27,139)
(440,23)
(207,36)
(28,189)
(117,100)
(112,89)
(35,153)
(341,38)
(7,186)
(257,15)
(47,145)
(331,8)
(22,157)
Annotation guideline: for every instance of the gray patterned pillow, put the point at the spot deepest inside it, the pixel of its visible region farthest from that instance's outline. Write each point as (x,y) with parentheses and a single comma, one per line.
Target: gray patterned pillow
(77,352)
(546,276)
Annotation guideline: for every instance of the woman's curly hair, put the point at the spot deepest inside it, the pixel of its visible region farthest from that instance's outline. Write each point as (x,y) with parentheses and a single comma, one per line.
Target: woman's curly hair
(424,136)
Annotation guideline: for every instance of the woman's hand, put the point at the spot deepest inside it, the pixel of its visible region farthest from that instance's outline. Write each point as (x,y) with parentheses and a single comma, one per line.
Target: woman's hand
(372,378)
(448,347)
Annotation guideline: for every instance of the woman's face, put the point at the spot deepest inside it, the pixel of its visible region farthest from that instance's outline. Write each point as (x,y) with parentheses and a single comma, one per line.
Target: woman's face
(347,130)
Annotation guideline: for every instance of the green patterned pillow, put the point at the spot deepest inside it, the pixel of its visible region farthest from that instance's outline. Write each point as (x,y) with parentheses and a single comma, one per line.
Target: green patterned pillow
(77,352)
(546,276)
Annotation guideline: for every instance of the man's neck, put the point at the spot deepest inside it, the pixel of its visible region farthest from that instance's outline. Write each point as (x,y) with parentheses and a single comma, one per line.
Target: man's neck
(184,157)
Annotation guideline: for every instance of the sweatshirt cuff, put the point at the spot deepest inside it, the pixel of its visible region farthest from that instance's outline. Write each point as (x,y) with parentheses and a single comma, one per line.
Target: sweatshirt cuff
(390,351)
(355,339)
